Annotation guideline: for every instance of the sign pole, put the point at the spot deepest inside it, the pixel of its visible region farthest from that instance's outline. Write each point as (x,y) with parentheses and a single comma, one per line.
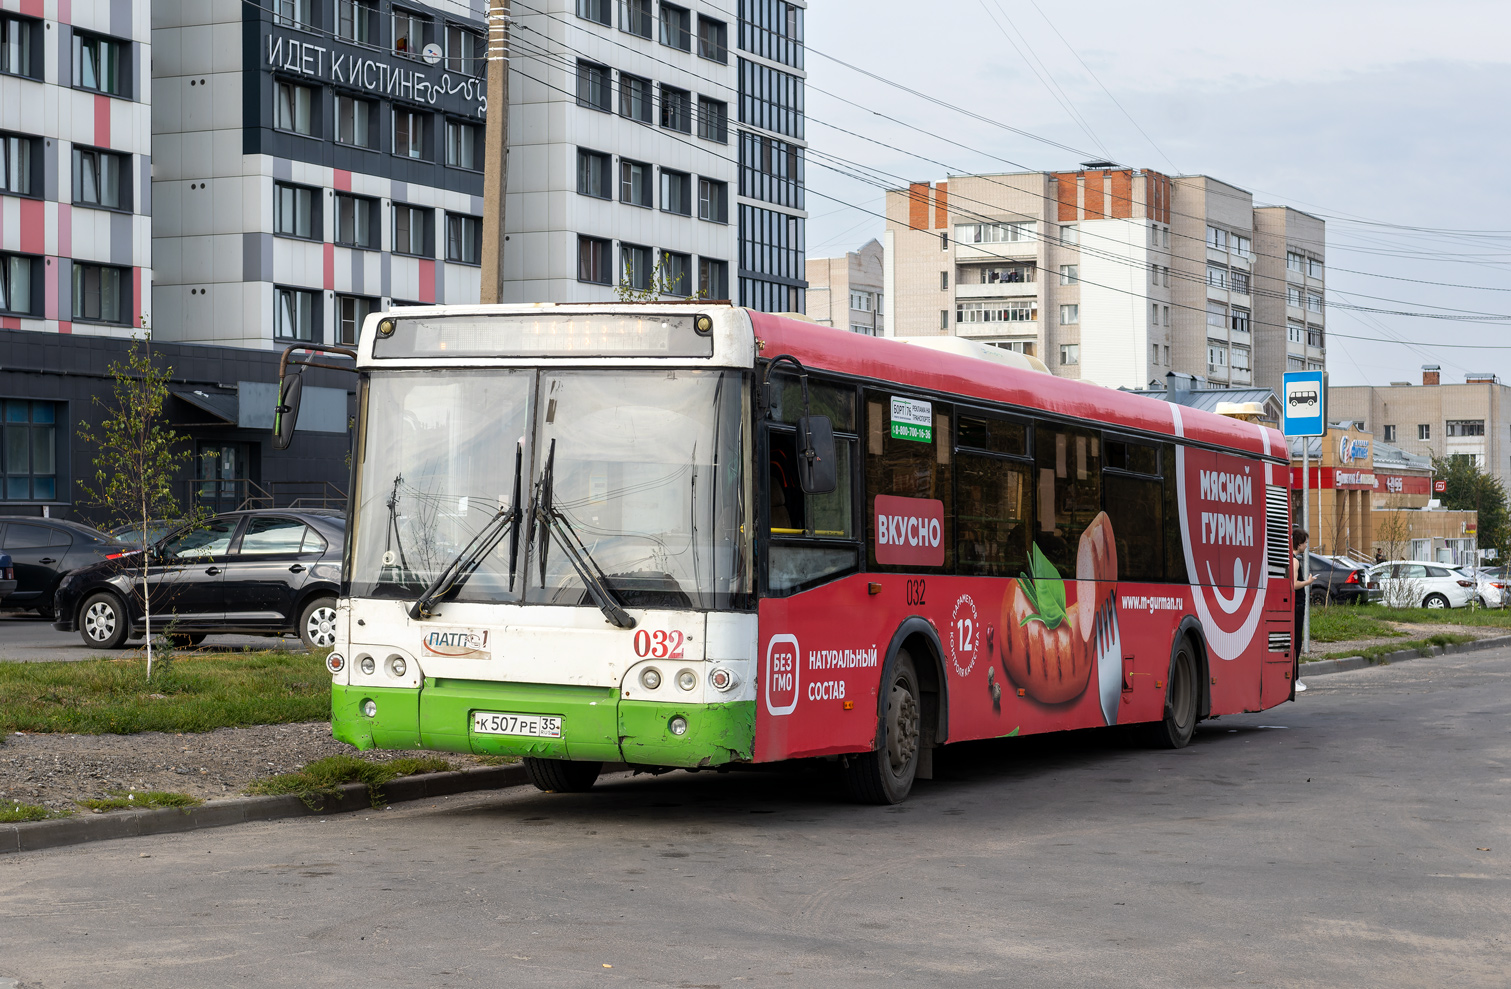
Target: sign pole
(1303,404)
(1306,521)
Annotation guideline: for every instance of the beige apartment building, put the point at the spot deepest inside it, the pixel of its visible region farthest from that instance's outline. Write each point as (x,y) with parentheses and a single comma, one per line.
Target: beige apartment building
(1434,419)
(847,291)
(1114,275)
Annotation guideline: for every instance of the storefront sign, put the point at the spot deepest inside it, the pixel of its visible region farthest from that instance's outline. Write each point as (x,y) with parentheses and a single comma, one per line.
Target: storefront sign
(1350,450)
(355,68)
(1353,479)
(1440,487)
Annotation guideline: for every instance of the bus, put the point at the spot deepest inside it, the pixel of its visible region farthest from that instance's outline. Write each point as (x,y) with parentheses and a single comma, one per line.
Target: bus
(691,535)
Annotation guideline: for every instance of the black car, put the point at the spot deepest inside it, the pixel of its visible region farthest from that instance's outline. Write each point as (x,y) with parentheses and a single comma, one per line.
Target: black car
(263,572)
(1337,582)
(43,550)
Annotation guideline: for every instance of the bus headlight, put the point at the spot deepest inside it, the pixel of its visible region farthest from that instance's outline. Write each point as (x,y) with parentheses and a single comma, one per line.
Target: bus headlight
(687,679)
(367,665)
(723,680)
(397,666)
(335,662)
(677,725)
(650,678)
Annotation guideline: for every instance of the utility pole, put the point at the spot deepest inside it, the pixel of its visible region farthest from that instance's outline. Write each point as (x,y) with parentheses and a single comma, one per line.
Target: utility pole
(496,155)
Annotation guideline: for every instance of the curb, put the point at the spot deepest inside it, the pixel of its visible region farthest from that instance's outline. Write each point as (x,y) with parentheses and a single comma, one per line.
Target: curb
(1322,667)
(240,810)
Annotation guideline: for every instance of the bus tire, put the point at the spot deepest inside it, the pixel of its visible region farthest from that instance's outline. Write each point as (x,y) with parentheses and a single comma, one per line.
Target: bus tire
(562,775)
(885,775)
(1182,696)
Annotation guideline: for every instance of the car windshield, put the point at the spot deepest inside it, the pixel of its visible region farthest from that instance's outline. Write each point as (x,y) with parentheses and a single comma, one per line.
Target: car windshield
(645,473)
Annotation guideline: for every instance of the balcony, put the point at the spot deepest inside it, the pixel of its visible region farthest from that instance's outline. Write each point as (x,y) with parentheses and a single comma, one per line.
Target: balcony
(1022,330)
(996,290)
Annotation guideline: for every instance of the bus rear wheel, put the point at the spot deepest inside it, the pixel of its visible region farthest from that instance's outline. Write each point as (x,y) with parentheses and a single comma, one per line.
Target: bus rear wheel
(885,776)
(562,775)
(1181,696)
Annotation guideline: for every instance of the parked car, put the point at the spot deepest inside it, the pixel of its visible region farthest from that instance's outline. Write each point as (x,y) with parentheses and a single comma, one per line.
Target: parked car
(43,550)
(1414,584)
(261,572)
(1490,588)
(7,576)
(1339,581)
(133,533)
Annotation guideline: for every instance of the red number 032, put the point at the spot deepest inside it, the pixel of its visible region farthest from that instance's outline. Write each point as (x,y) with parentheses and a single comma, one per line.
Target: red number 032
(658,644)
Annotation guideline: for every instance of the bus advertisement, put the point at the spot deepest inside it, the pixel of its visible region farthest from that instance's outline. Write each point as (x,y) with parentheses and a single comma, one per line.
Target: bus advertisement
(680,535)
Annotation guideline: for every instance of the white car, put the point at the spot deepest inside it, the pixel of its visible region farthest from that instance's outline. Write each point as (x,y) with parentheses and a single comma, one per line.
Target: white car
(1415,584)
(1492,592)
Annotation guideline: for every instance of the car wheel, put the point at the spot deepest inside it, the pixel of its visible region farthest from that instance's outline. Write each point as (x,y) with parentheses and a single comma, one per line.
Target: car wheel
(185,639)
(1319,595)
(102,621)
(317,625)
(1182,697)
(885,776)
(562,776)
(1435,601)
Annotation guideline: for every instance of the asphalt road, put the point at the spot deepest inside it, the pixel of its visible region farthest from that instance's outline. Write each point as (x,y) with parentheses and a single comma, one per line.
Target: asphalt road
(26,638)
(1362,840)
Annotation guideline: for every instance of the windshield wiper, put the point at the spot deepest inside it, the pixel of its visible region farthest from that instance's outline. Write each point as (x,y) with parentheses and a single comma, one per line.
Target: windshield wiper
(554,523)
(456,573)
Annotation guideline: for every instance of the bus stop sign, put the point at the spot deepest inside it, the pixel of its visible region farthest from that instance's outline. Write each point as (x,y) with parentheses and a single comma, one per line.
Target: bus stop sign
(1302,404)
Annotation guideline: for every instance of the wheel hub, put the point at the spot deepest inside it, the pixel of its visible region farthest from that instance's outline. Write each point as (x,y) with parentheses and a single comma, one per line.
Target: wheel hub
(902,728)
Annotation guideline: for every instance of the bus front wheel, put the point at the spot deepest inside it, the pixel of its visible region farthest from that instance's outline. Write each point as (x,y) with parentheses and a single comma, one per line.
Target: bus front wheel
(561,775)
(885,775)
(1181,698)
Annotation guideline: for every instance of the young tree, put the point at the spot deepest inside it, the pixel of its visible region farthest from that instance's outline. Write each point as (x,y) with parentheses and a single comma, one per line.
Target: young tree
(660,284)
(137,458)
(1470,488)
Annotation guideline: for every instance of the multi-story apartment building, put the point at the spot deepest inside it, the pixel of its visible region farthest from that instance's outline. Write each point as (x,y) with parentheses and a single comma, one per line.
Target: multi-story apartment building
(75,167)
(1289,269)
(847,291)
(1434,419)
(1115,275)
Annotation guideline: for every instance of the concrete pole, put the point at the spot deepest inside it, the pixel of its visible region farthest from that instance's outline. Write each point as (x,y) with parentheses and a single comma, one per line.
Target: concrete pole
(496,154)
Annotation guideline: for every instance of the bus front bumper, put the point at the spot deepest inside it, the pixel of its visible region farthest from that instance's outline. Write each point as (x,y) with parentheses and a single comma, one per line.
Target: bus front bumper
(596,725)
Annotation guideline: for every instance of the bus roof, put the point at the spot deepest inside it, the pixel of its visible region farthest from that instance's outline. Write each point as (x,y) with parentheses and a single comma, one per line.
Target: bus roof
(827,348)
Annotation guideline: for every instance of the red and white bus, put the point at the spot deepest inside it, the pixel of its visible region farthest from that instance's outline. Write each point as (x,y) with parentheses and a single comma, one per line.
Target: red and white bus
(685,535)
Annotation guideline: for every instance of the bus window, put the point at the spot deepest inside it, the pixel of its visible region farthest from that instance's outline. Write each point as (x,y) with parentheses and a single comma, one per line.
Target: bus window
(812,536)
(824,399)
(909,453)
(1133,497)
(993,515)
(1068,460)
(1175,551)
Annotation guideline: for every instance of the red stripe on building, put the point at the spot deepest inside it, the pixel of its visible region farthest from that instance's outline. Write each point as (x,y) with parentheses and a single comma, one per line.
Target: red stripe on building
(342,180)
(138,316)
(10,322)
(427,281)
(330,266)
(102,121)
(33,8)
(33,226)
(65,230)
(65,326)
(1363,479)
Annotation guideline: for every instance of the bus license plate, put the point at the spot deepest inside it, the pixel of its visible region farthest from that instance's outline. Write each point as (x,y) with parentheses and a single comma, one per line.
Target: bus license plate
(532,725)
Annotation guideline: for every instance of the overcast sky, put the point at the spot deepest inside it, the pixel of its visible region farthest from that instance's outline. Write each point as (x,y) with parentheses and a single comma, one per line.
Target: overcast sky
(1388,112)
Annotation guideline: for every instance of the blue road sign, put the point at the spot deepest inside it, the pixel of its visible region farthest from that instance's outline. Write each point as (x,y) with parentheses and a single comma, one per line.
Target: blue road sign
(1303,396)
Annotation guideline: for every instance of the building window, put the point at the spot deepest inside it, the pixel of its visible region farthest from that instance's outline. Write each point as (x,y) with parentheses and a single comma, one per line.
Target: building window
(356,222)
(1070,235)
(1313,302)
(1070,315)
(408,133)
(1238,281)
(1012,274)
(1293,296)
(944,320)
(1295,261)
(1153,347)
(635,183)
(772,30)
(354,122)
(292,13)
(1166,315)
(16,47)
(1165,239)
(464,145)
(594,174)
(15,284)
(771,170)
(466,51)
(1217,359)
(593,260)
(408,33)
(676,273)
(713,120)
(16,164)
(944,281)
(1217,320)
(635,17)
(1070,274)
(357,20)
(713,40)
(464,238)
(1313,336)
(634,267)
(635,98)
(995,233)
(593,86)
(944,240)
(676,192)
(1217,238)
(292,108)
(713,200)
(860,301)
(97,64)
(863,329)
(1240,358)
(1242,246)
(30,450)
(713,278)
(1015,311)
(409,223)
(1217,277)
(1070,353)
(296,314)
(596,11)
(101,178)
(351,310)
(1295,332)
(771,99)
(676,109)
(1313,268)
(295,211)
(1153,314)
(676,27)
(1465,427)
(1239,320)
(101,294)
(1424,432)
(1390,434)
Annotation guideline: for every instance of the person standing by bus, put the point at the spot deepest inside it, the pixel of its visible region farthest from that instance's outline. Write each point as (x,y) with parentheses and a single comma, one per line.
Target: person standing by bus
(1299,539)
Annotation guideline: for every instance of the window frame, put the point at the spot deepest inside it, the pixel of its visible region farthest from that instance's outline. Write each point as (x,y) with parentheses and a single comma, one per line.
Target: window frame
(363,115)
(49,434)
(648,182)
(466,230)
(412,116)
(675,108)
(295,292)
(604,249)
(427,218)
(120,55)
(371,306)
(474,141)
(669,178)
(24,37)
(670,34)
(718,211)
(595,168)
(313,211)
(10,266)
(374,222)
(123,291)
(312,109)
(122,166)
(637,92)
(716,49)
(595,79)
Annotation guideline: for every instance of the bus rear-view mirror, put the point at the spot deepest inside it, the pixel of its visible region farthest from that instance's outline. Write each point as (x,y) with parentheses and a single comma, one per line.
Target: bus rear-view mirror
(817,465)
(286,415)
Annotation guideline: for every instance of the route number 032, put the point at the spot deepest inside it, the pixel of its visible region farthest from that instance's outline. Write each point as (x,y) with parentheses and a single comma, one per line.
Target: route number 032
(659,644)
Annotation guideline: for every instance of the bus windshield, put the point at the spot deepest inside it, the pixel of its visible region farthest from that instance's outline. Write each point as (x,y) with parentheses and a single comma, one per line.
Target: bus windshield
(641,469)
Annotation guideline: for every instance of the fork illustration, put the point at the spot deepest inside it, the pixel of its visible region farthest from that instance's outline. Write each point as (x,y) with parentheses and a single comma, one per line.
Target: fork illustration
(1108,643)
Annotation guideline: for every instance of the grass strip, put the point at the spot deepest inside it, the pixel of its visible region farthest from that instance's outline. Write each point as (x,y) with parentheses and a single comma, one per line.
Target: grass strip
(318,781)
(1342,623)
(18,813)
(140,800)
(1374,653)
(192,694)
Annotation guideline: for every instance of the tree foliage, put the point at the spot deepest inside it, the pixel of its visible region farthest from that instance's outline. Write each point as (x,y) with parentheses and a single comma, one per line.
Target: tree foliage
(1470,488)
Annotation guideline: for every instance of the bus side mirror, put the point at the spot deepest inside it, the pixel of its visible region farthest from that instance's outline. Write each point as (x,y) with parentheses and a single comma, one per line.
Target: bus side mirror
(817,463)
(287,412)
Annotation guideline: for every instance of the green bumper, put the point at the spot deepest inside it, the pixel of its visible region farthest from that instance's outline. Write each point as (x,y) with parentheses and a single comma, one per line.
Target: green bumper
(597,726)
